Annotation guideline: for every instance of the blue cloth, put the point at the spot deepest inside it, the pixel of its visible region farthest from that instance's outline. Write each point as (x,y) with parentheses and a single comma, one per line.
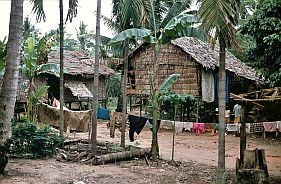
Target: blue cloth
(227,82)
(103,113)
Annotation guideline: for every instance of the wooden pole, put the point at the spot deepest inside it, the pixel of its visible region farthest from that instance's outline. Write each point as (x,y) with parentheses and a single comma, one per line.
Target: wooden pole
(174,132)
(197,111)
(243,142)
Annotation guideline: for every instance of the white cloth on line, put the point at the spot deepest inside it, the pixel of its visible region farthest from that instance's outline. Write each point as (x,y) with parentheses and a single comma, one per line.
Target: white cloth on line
(208,86)
(179,126)
(279,125)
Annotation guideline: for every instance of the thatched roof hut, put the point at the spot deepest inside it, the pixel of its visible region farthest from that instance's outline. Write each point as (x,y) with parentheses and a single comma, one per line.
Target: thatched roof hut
(78,75)
(188,57)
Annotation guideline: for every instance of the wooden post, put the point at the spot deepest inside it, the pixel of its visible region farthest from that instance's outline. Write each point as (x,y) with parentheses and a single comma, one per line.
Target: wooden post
(130,102)
(197,111)
(243,142)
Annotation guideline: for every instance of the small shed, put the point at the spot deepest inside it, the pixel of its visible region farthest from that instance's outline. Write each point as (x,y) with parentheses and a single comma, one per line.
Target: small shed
(78,77)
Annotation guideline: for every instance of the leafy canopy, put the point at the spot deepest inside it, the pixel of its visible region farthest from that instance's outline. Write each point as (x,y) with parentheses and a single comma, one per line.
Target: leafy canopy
(265,27)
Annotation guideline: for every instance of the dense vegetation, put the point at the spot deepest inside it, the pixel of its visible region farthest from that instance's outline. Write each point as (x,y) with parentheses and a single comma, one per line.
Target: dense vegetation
(265,29)
(33,141)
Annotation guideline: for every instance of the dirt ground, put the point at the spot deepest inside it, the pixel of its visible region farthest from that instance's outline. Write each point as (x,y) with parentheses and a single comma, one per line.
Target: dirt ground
(196,158)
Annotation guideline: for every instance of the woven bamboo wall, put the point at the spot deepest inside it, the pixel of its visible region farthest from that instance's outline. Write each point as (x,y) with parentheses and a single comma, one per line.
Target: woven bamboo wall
(90,85)
(171,60)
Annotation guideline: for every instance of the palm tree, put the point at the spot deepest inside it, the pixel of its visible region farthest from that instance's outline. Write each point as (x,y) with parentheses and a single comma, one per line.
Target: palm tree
(10,80)
(61,69)
(96,82)
(127,14)
(72,12)
(219,17)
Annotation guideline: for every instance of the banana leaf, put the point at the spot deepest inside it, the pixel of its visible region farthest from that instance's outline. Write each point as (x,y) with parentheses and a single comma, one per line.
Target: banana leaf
(168,83)
(133,34)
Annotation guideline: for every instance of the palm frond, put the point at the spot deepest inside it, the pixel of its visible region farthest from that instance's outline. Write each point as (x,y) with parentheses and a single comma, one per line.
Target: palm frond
(219,15)
(110,23)
(72,10)
(37,8)
(176,8)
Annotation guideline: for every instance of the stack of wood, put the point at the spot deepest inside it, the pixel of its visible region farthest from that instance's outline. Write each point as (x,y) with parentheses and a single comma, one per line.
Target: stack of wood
(107,152)
(253,167)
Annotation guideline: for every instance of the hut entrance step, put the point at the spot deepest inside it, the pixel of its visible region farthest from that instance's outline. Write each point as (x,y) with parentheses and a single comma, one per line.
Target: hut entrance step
(253,168)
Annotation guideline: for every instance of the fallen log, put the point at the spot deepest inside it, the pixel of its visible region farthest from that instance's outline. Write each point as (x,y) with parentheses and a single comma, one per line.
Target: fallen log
(120,156)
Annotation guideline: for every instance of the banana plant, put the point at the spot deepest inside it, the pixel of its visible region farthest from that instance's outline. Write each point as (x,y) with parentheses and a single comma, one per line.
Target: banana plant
(182,25)
(30,68)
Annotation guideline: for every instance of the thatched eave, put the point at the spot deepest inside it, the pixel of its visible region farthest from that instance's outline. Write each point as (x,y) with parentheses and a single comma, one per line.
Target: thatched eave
(208,57)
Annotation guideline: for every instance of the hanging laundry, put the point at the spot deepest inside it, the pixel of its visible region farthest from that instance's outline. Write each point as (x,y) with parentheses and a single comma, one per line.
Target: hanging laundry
(208,86)
(150,124)
(136,125)
(270,126)
(199,128)
(103,113)
(179,126)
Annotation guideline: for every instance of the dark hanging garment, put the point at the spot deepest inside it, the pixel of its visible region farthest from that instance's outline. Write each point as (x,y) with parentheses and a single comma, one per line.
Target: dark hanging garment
(150,124)
(136,125)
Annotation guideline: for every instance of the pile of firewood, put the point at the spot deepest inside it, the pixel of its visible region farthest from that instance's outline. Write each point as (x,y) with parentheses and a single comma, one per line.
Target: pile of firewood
(107,152)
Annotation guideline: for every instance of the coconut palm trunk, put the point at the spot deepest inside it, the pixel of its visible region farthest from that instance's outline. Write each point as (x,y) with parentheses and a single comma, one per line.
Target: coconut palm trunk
(222,78)
(10,79)
(61,70)
(96,82)
(220,17)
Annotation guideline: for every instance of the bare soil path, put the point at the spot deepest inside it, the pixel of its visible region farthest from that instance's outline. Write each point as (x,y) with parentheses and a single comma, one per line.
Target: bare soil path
(197,156)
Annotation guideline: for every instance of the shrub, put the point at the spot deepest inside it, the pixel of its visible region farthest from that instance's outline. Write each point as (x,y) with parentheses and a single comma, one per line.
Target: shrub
(30,140)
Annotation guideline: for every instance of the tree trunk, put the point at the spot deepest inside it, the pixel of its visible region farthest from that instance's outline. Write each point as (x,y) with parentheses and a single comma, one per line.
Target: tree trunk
(10,79)
(61,70)
(154,90)
(124,108)
(155,105)
(119,156)
(96,83)
(222,78)
(243,141)
(29,107)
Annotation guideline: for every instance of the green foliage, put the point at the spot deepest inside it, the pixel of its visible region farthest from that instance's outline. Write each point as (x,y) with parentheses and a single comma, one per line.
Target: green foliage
(50,68)
(220,18)
(30,58)
(182,25)
(3,53)
(168,83)
(33,141)
(172,101)
(112,85)
(265,27)
(164,89)
(133,33)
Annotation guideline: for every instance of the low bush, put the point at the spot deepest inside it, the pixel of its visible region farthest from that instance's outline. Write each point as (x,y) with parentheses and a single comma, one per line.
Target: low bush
(33,141)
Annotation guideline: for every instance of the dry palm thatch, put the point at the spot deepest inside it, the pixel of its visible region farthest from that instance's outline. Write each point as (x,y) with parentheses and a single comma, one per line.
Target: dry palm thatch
(209,58)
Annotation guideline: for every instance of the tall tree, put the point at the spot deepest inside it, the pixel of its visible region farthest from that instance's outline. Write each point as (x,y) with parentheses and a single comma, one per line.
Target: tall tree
(96,82)
(220,18)
(127,14)
(10,79)
(264,26)
(72,12)
(61,69)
